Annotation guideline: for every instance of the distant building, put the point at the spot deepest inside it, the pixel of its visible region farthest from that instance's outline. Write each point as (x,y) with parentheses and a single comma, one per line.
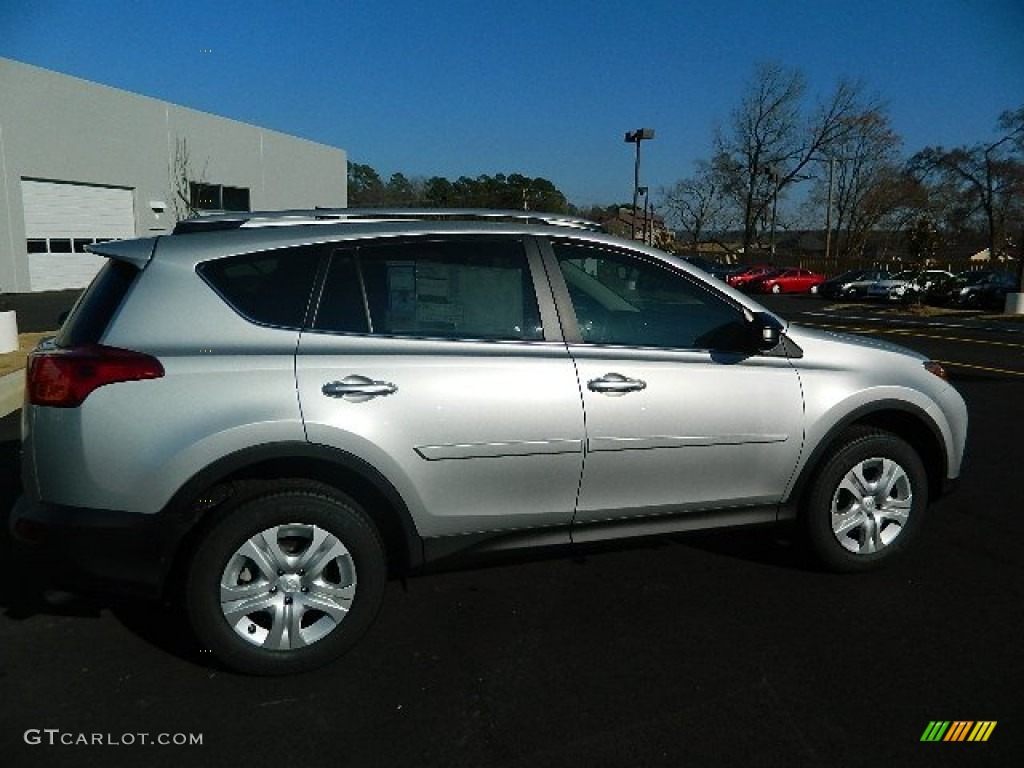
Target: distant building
(83,162)
(650,227)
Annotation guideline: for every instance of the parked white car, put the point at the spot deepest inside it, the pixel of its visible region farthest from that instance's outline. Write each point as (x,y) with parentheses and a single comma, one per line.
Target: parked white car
(907,285)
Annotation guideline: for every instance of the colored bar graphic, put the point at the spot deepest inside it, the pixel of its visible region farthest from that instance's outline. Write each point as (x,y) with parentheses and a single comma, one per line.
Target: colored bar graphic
(958,730)
(982,730)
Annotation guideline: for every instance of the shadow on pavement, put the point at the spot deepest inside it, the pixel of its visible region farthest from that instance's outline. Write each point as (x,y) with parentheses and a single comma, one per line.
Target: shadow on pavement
(778,546)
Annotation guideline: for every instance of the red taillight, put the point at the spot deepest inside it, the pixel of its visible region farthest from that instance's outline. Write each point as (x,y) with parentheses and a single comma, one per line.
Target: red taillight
(63,378)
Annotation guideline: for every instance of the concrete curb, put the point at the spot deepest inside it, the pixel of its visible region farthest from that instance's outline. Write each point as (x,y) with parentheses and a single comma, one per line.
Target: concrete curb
(12,392)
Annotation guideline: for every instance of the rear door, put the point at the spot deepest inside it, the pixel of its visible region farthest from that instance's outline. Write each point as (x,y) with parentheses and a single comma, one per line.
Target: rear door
(436,362)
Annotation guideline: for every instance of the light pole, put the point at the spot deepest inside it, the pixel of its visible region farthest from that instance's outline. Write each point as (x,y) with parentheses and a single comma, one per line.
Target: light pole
(643,233)
(635,137)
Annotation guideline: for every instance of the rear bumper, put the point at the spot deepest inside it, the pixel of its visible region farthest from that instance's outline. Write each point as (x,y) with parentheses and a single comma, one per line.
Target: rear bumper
(90,549)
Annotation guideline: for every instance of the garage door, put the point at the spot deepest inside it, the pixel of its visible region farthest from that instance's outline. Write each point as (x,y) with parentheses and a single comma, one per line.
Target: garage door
(61,219)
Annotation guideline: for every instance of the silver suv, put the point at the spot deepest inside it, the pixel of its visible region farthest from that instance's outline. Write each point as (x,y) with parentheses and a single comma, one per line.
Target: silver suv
(275,412)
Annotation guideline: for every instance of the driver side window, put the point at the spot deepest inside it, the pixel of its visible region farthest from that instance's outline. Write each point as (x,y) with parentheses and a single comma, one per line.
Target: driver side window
(622,300)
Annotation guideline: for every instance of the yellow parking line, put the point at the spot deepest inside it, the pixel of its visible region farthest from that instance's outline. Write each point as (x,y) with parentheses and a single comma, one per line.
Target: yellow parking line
(846,328)
(981,368)
(912,332)
(916,334)
(950,363)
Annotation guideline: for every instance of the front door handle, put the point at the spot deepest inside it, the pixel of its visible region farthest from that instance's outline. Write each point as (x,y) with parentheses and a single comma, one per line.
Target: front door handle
(358,388)
(615,384)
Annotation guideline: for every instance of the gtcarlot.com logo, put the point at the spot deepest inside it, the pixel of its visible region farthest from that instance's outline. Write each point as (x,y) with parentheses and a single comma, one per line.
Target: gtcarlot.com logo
(958,730)
(55,737)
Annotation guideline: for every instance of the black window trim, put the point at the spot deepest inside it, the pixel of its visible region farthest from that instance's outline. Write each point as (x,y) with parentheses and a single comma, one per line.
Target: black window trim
(563,300)
(546,304)
(315,286)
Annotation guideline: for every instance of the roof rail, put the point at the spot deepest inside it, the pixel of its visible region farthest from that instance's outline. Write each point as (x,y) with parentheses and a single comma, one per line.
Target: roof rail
(247,219)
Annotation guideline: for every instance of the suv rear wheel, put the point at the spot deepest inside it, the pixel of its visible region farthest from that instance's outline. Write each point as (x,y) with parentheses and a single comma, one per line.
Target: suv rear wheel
(286,582)
(867,501)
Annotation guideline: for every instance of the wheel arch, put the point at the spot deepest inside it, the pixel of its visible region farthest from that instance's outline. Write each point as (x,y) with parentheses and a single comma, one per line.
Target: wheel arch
(217,489)
(902,419)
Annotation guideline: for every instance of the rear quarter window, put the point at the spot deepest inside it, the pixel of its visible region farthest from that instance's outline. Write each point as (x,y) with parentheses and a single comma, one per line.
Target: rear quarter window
(269,288)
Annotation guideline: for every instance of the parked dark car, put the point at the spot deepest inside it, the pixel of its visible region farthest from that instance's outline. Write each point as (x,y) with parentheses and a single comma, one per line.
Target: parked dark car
(713,268)
(981,289)
(849,284)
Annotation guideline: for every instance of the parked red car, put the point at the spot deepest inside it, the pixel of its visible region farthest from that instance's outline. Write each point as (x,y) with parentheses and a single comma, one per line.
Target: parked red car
(789,280)
(742,278)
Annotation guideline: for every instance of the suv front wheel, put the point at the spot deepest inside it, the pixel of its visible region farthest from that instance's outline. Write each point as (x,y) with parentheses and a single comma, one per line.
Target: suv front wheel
(867,501)
(286,582)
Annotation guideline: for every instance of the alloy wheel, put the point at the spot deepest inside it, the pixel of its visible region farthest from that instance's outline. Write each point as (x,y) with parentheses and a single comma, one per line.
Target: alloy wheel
(871,505)
(288,586)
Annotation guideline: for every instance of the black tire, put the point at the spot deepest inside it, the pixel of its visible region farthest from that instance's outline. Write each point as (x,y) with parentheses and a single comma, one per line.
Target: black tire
(261,548)
(848,533)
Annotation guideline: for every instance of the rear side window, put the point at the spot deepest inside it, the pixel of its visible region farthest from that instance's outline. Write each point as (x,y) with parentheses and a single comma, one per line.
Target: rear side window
(269,288)
(478,288)
(93,312)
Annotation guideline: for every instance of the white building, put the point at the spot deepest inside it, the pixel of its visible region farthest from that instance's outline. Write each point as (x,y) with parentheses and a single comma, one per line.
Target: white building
(81,162)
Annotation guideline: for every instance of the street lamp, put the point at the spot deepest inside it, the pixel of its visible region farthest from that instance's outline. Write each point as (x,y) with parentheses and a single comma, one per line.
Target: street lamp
(646,197)
(635,137)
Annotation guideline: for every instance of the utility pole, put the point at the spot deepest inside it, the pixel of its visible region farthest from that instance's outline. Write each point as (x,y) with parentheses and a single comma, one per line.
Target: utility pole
(646,197)
(828,210)
(635,137)
(773,174)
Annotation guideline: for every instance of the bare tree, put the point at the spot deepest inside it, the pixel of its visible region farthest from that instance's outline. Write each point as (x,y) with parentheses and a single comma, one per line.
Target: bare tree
(862,178)
(183,176)
(979,187)
(770,142)
(699,205)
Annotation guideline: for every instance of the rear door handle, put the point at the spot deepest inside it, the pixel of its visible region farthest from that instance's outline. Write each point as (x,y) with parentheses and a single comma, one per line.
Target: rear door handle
(615,383)
(358,388)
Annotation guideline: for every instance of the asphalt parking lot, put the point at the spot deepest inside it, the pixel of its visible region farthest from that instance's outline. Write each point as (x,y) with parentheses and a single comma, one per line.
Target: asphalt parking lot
(729,648)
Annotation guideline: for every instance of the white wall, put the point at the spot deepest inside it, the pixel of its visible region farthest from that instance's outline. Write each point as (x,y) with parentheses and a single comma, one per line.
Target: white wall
(59,128)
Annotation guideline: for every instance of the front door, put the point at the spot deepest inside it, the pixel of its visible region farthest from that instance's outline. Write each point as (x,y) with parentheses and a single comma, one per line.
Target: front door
(680,415)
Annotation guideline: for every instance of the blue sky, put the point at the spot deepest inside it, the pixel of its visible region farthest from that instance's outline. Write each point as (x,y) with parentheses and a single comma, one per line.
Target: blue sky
(539,88)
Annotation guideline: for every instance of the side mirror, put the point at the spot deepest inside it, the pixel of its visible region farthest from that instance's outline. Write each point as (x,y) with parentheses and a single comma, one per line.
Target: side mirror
(765,332)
